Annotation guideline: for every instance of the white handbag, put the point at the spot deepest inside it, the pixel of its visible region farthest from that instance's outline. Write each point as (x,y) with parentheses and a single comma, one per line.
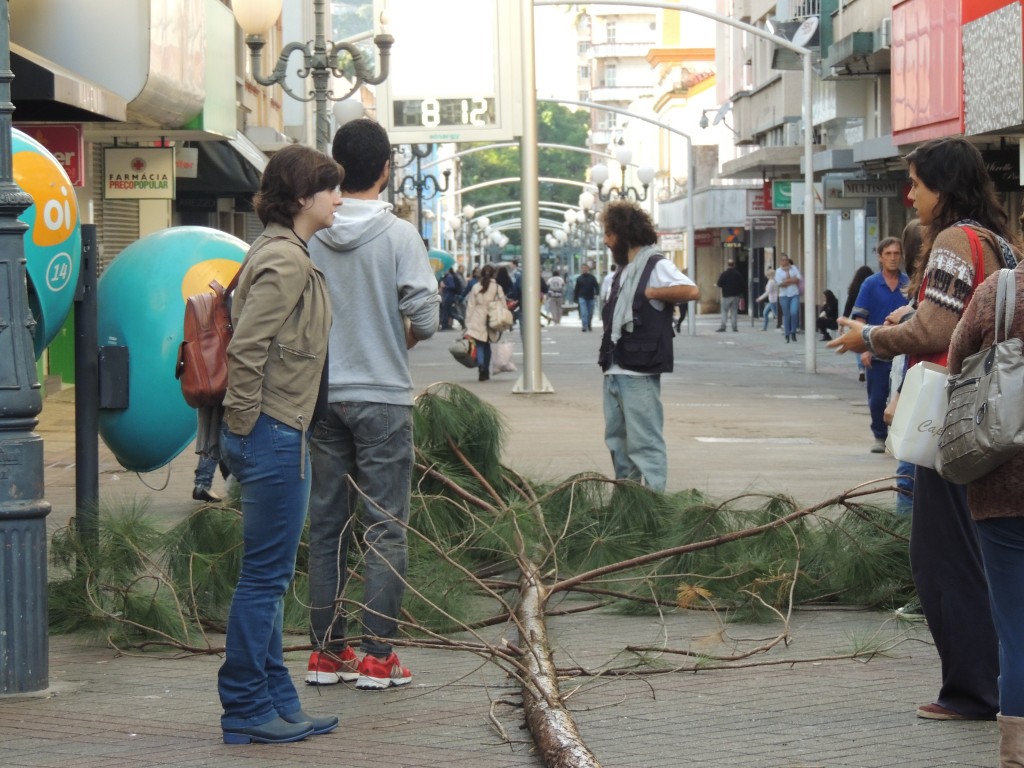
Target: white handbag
(920,413)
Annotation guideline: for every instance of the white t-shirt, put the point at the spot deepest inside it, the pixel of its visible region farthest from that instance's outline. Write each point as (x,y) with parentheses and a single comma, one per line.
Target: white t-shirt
(784,273)
(664,275)
(606,286)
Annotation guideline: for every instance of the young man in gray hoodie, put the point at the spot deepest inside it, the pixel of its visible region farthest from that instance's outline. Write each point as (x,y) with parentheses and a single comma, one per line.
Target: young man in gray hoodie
(384,298)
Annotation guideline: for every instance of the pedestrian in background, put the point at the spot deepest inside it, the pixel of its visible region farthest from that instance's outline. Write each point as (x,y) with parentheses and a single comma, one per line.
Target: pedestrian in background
(584,293)
(828,314)
(281,315)
(483,293)
(880,295)
(556,295)
(733,286)
(771,297)
(789,280)
(863,273)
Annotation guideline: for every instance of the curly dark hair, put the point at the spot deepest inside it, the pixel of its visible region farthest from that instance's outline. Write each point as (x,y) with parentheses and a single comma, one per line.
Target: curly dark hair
(362,148)
(293,173)
(953,168)
(629,222)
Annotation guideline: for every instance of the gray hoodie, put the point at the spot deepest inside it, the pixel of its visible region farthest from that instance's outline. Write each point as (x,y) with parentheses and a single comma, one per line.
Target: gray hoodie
(378,275)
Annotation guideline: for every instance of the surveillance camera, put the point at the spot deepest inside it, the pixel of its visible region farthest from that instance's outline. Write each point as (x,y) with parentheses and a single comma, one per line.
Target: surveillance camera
(703,121)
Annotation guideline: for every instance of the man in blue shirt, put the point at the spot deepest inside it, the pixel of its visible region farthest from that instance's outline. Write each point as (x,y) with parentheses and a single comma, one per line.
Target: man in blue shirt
(880,294)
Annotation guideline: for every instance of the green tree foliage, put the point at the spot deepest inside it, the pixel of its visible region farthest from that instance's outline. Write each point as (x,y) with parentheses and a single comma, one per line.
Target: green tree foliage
(555,125)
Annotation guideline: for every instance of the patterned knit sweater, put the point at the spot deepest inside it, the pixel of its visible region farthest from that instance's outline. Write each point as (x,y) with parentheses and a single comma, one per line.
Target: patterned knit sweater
(950,276)
(1000,493)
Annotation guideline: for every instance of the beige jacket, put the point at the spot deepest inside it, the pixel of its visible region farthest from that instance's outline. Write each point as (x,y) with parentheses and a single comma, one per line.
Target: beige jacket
(282,318)
(476,312)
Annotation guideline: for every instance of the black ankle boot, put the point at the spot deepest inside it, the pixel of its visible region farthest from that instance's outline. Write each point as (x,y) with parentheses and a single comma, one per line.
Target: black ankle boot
(484,375)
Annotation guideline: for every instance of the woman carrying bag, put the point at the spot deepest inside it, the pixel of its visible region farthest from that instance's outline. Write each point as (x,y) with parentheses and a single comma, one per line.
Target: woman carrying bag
(477,327)
(966,235)
(281,316)
(994,501)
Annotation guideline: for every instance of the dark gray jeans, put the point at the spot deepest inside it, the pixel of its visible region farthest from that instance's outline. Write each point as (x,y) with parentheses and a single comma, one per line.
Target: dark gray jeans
(361,452)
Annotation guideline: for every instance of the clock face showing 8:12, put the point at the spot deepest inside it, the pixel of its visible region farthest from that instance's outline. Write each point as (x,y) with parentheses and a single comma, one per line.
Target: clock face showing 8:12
(452,82)
(476,111)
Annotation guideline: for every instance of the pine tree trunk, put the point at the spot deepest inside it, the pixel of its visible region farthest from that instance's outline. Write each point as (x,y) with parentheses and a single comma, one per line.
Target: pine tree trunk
(553,728)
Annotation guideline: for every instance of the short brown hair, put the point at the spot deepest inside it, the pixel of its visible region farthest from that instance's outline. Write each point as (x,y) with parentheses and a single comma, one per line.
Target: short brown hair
(885,242)
(629,222)
(293,173)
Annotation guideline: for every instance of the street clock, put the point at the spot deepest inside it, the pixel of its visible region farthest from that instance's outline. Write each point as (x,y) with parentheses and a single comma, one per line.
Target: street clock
(455,72)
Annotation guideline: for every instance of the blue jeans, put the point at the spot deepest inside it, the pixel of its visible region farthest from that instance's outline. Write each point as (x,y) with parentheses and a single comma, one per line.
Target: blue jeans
(1002,547)
(633,426)
(877,377)
(586,312)
(254,684)
(769,311)
(905,483)
(483,355)
(790,314)
(361,451)
(205,470)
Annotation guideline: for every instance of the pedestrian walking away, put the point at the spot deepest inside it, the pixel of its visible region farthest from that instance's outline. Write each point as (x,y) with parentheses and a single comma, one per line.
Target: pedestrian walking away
(584,293)
(733,287)
(385,300)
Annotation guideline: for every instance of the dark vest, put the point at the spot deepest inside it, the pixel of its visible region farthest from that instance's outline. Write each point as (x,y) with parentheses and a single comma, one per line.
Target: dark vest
(648,348)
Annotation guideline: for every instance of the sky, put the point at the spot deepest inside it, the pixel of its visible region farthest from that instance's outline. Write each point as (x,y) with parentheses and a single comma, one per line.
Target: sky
(429,36)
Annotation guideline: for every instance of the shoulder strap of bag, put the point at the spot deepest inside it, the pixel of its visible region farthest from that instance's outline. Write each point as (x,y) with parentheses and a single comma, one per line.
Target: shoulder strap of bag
(1006,298)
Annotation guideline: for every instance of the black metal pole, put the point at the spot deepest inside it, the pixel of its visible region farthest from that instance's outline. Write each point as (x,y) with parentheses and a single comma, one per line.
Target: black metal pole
(419,196)
(24,643)
(87,462)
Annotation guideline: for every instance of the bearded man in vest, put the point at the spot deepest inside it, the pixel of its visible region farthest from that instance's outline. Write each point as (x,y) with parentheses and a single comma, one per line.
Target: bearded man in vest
(636,347)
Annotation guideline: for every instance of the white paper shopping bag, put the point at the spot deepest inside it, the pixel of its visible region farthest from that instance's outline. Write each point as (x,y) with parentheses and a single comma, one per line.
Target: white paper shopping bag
(920,413)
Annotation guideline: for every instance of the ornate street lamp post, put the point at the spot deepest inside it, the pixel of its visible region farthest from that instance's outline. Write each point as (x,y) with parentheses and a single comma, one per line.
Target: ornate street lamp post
(424,186)
(24,644)
(320,61)
(599,175)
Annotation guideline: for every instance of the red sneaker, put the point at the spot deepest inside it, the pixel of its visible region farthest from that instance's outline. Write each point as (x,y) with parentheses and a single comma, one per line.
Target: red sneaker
(377,674)
(327,668)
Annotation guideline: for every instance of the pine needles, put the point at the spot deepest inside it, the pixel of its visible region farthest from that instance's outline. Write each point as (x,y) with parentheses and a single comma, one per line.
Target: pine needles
(474,520)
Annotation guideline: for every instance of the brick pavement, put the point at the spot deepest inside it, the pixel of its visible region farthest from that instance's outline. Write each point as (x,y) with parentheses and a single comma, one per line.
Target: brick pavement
(740,415)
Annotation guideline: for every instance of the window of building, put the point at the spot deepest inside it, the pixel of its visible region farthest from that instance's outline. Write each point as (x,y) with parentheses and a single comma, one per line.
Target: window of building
(610,74)
(582,48)
(584,73)
(609,31)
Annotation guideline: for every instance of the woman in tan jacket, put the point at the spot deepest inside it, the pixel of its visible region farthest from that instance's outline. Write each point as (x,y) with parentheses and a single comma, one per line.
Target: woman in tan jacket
(281,316)
(483,293)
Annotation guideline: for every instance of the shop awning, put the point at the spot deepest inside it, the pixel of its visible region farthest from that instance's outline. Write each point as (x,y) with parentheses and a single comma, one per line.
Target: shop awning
(228,168)
(46,92)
